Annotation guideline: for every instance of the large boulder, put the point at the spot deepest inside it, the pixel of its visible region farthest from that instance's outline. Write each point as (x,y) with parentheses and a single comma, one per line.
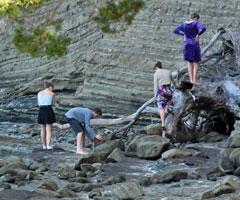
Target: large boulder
(14,169)
(148,147)
(100,153)
(175,153)
(66,172)
(49,185)
(144,141)
(169,176)
(153,129)
(230,155)
(228,185)
(128,190)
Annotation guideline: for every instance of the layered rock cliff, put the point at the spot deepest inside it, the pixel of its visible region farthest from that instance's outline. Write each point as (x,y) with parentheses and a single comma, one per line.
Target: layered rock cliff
(109,71)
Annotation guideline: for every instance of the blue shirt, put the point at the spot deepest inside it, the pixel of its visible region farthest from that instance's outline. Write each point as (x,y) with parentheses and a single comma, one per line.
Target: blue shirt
(83,116)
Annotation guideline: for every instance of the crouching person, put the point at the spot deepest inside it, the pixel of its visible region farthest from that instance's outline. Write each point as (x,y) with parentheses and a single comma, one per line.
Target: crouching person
(79,120)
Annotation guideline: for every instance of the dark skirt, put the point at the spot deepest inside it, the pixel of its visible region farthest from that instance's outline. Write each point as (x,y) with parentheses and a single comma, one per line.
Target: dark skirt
(46,115)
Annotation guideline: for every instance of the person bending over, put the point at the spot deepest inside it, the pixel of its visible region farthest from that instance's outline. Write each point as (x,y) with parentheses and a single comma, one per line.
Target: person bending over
(79,120)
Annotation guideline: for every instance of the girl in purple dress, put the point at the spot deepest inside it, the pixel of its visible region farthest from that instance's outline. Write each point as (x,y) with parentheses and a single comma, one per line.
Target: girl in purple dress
(191,30)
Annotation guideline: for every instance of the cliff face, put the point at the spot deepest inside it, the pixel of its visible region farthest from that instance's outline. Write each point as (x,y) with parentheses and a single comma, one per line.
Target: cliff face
(109,71)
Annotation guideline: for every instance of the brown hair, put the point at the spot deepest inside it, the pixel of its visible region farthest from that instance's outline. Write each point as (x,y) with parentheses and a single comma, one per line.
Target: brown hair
(98,111)
(48,84)
(195,15)
(158,65)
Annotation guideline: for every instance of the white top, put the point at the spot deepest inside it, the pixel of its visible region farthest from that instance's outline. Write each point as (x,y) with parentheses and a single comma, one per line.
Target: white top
(45,100)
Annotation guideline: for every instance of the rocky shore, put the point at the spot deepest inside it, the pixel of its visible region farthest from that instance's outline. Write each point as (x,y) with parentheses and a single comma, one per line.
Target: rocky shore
(144,166)
(114,72)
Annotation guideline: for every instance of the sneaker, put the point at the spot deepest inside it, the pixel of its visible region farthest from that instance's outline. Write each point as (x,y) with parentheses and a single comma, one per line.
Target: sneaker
(44,147)
(49,147)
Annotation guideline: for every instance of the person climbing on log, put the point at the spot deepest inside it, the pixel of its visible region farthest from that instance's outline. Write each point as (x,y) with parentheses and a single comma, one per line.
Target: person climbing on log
(79,120)
(191,30)
(162,92)
(46,116)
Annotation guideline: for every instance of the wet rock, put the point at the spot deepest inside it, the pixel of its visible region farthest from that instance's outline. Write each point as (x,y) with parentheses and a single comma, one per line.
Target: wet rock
(145,181)
(49,185)
(175,153)
(48,193)
(151,147)
(13,170)
(153,129)
(101,153)
(66,172)
(114,179)
(79,180)
(78,187)
(128,190)
(214,174)
(237,172)
(94,194)
(86,168)
(5,186)
(229,156)
(212,137)
(133,144)
(115,156)
(170,176)
(233,141)
(80,174)
(228,185)
(225,164)
(235,158)
(65,192)
(39,167)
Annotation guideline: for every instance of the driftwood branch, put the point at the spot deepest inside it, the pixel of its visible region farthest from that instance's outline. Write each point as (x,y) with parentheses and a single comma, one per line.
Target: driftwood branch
(137,114)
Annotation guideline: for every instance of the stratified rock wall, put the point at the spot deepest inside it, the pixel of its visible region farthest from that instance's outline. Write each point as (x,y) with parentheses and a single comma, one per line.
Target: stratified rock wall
(111,71)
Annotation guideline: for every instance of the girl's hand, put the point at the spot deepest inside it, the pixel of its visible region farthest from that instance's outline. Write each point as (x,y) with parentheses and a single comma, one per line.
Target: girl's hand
(197,38)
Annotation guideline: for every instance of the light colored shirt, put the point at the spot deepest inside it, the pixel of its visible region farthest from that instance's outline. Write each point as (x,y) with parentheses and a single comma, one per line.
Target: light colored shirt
(83,116)
(161,77)
(45,100)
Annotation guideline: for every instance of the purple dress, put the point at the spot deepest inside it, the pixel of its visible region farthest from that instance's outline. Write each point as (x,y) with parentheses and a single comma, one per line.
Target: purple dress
(191,48)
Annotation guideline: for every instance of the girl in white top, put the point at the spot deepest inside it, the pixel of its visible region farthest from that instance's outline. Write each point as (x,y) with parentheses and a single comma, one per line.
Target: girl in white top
(46,116)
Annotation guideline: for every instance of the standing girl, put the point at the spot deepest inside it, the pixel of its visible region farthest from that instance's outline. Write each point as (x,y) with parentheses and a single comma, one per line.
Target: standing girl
(46,116)
(191,30)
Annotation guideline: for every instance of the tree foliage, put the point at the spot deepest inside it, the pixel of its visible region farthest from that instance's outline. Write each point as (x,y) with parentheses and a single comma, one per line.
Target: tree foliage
(37,39)
(122,12)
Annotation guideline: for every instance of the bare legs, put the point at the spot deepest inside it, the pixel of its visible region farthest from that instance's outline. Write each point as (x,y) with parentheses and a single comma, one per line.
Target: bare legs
(162,117)
(43,135)
(192,71)
(80,143)
(46,133)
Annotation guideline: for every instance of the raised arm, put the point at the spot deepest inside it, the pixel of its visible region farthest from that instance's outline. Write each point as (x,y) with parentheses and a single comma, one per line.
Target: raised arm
(179,30)
(201,28)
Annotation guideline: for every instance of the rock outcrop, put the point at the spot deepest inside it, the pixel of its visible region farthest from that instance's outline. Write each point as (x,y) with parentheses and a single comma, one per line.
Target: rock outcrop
(109,71)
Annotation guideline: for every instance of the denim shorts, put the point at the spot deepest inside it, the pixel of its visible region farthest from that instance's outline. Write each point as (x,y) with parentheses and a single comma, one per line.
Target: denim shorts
(75,125)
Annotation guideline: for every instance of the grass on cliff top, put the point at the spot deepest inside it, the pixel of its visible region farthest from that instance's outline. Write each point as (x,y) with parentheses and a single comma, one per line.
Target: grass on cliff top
(43,38)
(122,12)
